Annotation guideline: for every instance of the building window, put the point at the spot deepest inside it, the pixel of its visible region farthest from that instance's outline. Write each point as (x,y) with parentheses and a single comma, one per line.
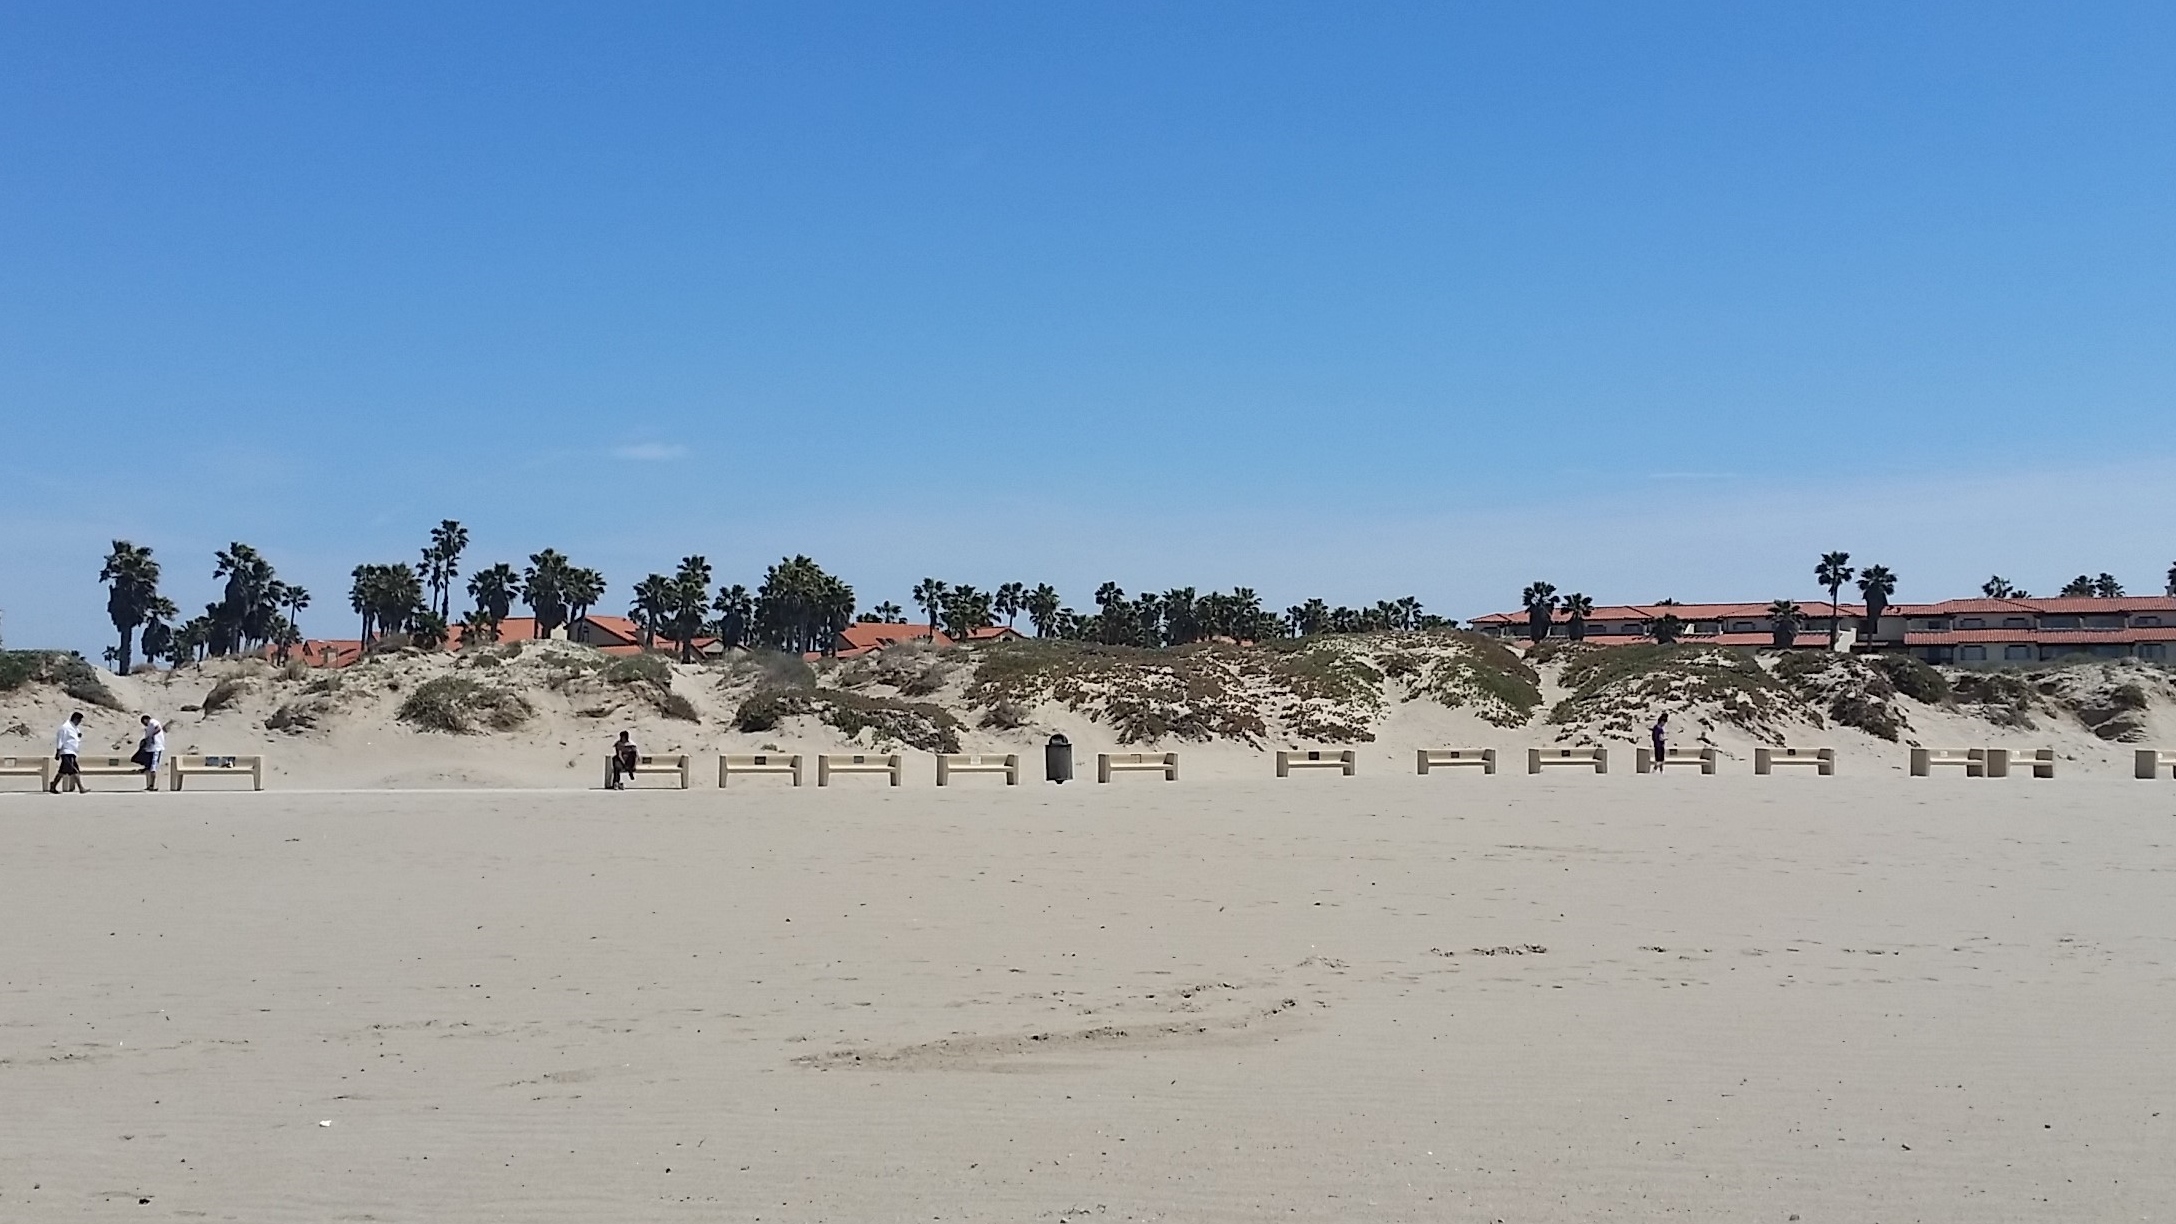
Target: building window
(1971,622)
(2104,622)
(2058,622)
(2147,622)
(2017,654)
(1707,627)
(2153,650)
(2016,622)
(1971,654)
(1743,627)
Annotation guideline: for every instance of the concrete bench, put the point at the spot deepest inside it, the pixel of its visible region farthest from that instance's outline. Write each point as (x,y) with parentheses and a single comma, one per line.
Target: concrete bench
(675,763)
(1425,759)
(949,763)
(1165,763)
(104,765)
(858,763)
(758,763)
(2040,760)
(1643,759)
(1346,762)
(1537,758)
(42,767)
(1823,760)
(181,767)
(2149,761)
(1925,759)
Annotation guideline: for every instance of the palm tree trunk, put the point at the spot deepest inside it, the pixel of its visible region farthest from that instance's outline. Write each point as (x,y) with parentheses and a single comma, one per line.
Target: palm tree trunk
(123,657)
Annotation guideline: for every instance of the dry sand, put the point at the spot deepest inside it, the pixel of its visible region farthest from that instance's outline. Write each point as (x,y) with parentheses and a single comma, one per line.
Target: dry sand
(1462,998)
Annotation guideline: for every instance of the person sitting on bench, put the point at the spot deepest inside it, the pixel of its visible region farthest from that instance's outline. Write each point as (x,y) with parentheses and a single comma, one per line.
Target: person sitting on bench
(624,758)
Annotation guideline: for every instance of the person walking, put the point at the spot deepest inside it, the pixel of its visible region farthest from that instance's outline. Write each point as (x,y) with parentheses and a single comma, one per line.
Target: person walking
(151,750)
(67,746)
(625,756)
(1658,733)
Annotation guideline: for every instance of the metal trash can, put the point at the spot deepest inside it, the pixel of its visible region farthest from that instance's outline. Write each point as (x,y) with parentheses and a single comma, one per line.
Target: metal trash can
(1058,760)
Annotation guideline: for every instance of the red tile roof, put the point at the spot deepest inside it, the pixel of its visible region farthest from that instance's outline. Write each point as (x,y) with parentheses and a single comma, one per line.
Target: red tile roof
(2045,637)
(865,635)
(1684,612)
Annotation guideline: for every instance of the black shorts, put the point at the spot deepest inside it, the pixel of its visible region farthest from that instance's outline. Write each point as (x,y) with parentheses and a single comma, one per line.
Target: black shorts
(68,764)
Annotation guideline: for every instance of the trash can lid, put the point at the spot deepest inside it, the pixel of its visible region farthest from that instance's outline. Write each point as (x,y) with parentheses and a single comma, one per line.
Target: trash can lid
(1060,739)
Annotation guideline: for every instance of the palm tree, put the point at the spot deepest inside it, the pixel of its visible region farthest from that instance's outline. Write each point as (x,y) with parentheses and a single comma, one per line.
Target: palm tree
(1784,617)
(1876,584)
(690,599)
(249,606)
(544,588)
(2106,587)
(396,598)
(965,610)
(132,585)
(929,596)
(585,588)
(478,627)
(1833,571)
(1308,619)
(494,590)
(1998,587)
(442,562)
(1579,608)
(2080,587)
(293,599)
(158,635)
(1539,600)
(1006,602)
(888,613)
(2171,587)
(736,608)
(652,607)
(360,579)
(800,608)
(1666,629)
(1042,607)
(427,629)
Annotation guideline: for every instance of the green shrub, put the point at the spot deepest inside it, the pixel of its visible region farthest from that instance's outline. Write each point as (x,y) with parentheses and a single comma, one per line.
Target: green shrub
(673,705)
(766,708)
(769,669)
(1912,678)
(1616,689)
(930,728)
(226,693)
(643,668)
(461,706)
(1875,717)
(73,676)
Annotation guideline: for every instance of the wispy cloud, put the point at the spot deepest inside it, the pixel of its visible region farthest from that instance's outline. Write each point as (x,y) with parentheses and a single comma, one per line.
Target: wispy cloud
(651,452)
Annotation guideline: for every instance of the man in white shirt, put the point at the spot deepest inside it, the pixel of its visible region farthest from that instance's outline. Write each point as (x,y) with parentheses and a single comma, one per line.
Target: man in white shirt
(67,745)
(152,750)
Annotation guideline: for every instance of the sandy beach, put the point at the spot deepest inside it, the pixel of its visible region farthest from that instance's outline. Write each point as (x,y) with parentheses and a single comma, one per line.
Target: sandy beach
(1555,998)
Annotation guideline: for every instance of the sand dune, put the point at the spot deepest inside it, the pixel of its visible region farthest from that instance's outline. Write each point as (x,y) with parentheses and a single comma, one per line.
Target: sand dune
(1387,997)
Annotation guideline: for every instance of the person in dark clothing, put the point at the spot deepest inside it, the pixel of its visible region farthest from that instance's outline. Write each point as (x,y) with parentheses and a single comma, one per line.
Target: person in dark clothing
(624,757)
(1657,732)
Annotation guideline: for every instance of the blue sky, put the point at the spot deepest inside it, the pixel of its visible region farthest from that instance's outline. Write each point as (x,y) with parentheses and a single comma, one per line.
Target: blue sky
(1339,301)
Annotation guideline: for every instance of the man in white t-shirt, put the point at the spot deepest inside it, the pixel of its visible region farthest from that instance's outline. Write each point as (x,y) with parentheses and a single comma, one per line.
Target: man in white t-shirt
(152,750)
(67,745)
